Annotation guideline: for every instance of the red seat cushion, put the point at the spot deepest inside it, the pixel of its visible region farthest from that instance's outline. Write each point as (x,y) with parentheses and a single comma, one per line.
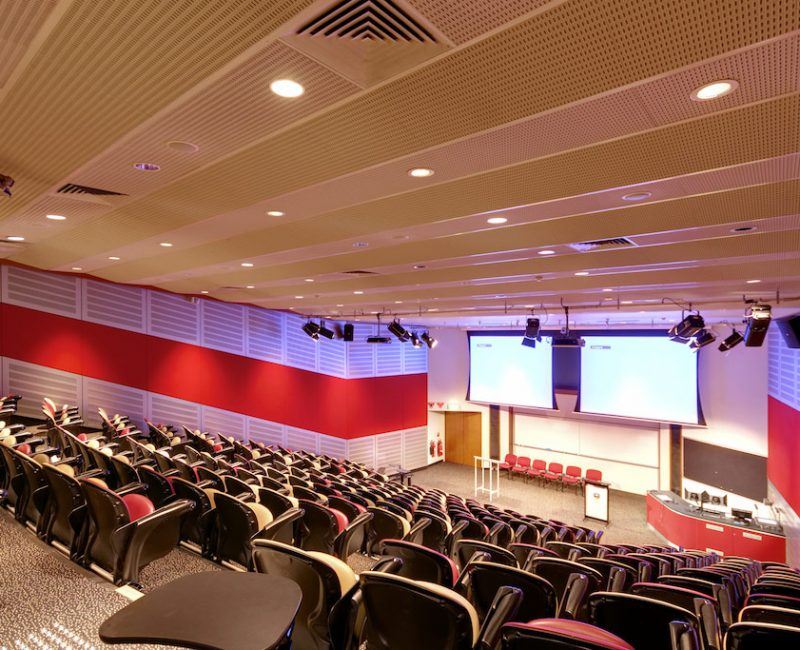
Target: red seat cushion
(138,506)
(217,447)
(341,519)
(579,631)
(24,448)
(570,479)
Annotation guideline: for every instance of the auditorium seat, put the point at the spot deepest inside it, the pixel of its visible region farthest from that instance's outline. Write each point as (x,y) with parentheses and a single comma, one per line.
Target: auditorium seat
(538,469)
(464,550)
(761,636)
(522,466)
(770,614)
(616,575)
(509,462)
(713,590)
(560,634)
(523,552)
(562,574)
(385,525)
(127,532)
(421,563)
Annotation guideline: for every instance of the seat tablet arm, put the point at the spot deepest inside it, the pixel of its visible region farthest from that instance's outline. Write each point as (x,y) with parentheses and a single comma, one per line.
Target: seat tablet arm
(281,528)
(574,596)
(682,636)
(415,533)
(388,565)
(503,608)
(131,488)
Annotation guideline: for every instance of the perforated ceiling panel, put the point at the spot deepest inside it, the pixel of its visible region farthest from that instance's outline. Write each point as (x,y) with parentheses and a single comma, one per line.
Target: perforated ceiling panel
(20,23)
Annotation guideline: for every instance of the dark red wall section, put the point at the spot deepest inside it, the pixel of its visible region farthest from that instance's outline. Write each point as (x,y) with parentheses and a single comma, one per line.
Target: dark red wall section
(347,408)
(783,460)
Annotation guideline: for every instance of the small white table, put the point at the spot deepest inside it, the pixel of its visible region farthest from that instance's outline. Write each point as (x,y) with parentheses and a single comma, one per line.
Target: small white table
(482,467)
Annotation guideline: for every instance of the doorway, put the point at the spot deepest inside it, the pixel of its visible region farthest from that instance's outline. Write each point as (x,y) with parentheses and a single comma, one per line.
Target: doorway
(462,435)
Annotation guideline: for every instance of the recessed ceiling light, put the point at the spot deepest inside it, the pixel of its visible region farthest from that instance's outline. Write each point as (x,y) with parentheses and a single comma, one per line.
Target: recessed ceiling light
(15,238)
(113,258)
(496,221)
(419,266)
(247,265)
(340,305)
(275,213)
(420,172)
(147,167)
(714,90)
(309,279)
(637,196)
(582,273)
(743,229)
(166,244)
(433,309)
(204,291)
(56,217)
(250,286)
(547,252)
(627,302)
(609,298)
(77,268)
(182,146)
(608,290)
(298,297)
(286,88)
(358,293)
(360,244)
(753,281)
(398,302)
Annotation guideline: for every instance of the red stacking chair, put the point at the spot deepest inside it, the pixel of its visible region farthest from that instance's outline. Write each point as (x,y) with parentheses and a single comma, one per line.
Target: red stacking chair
(554,473)
(538,469)
(509,463)
(522,466)
(594,475)
(572,476)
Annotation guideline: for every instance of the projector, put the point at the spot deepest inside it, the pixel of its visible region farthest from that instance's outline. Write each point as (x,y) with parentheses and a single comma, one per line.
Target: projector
(568,341)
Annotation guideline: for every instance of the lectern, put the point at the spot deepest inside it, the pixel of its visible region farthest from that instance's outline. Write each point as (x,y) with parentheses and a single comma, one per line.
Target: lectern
(595,500)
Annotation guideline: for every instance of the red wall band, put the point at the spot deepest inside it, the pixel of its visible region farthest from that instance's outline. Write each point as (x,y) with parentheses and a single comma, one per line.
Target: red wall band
(346,408)
(784,451)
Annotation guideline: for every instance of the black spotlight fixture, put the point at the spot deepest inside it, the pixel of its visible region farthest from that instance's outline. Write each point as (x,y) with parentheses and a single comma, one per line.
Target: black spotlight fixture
(758,319)
(428,340)
(687,328)
(415,340)
(702,338)
(312,329)
(326,332)
(731,342)
(398,330)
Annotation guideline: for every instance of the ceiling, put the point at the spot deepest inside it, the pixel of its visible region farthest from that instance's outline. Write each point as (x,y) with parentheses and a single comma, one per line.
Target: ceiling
(548,114)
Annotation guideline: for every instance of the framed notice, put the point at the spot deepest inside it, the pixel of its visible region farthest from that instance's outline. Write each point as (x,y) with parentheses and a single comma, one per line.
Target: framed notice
(595,501)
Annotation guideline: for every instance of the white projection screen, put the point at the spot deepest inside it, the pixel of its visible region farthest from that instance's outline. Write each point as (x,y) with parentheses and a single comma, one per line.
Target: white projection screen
(642,377)
(503,371)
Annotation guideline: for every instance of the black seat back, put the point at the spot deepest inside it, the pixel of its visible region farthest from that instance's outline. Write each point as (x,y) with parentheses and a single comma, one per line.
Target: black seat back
(761,636)
(421,563)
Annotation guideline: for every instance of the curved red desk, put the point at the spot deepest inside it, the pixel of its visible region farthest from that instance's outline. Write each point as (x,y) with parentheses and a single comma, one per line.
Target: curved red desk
(693,530)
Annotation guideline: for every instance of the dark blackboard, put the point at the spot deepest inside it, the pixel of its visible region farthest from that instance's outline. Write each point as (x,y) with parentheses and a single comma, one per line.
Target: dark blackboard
(727,469)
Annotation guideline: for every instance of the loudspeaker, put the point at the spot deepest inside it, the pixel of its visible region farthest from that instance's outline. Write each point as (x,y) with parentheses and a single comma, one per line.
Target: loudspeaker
(790,329)
(347,332)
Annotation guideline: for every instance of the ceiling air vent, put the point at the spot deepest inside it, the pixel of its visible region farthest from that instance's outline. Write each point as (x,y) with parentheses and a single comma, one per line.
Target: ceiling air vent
(602,244)
(368,20)
(359,272)
(72,188)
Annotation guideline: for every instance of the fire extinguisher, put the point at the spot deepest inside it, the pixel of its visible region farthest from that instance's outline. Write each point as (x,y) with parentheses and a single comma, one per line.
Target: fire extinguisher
(439,447)
(433,449)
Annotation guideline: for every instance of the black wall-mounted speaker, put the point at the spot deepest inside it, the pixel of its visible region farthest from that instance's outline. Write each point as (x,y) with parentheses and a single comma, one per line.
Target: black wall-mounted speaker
(347,332)
(790,329)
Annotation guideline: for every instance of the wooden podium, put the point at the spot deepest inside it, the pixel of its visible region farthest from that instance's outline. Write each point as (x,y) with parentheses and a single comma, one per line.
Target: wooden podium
(595,500)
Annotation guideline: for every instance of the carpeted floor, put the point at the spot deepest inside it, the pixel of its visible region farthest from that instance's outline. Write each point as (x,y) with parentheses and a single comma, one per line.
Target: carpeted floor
(46,601)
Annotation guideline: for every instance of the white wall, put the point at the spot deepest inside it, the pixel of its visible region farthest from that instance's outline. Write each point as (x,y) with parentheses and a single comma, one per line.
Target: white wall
(634,456)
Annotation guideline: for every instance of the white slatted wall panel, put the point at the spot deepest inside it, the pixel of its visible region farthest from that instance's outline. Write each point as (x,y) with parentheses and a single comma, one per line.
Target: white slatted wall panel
(415,448)
(297,439)
(301,350)
(362,450)
(173,317)
(226,422)
(35,383)
(222,326)
(415,360)
(389,449)
(265,335)
(270,433)
(113,398)
(115,305)
(332,446)
(784,369)
(333,357)
(50,292)
(168,410)
(389,358)
(361,355)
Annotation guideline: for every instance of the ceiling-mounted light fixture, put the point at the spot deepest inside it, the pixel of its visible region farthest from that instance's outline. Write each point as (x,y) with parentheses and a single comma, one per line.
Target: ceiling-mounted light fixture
(398,330)
(286,88)
(687,328)
(325,331)
(758,318)
(702,338)
(415,342)
(428,340)
(731,341)
(312,329)
(714,90)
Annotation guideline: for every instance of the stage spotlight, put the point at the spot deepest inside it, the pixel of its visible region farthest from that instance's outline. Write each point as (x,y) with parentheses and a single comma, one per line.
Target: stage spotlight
(312,329)
(398,330)
(687,328)
(731,342)
(324,331)
(758,320)
(428,340)
(702,338)
(415,340)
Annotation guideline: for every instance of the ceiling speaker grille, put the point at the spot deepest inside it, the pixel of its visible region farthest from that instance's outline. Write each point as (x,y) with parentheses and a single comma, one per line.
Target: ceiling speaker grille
(72,188)
(615,242)
(383,20)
